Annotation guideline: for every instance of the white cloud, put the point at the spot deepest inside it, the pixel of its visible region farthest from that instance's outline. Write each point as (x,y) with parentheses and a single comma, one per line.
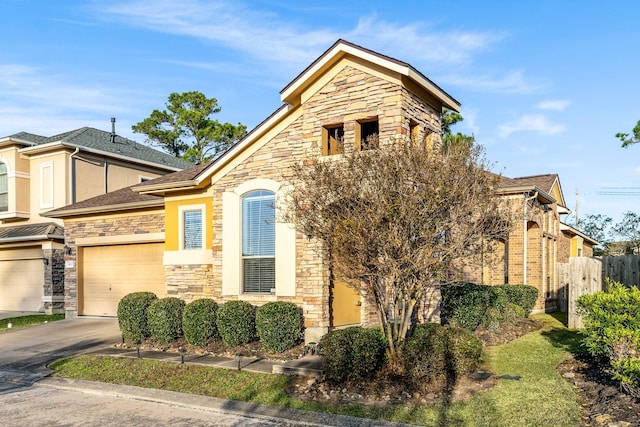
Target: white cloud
(557,105)
(269,37)
(512,82)
(537,123)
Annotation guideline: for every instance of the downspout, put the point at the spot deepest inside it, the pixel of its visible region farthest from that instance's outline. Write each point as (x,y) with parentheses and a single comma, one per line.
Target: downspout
(72,193)
(524,264)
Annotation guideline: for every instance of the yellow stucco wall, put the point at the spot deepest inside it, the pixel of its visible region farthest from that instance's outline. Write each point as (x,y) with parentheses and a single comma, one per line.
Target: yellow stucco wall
(172,219)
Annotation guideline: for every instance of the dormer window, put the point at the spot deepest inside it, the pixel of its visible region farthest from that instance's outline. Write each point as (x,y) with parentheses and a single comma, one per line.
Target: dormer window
(367,135)
(4,188)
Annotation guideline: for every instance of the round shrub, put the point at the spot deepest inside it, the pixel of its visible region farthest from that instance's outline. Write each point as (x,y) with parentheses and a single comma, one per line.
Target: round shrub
(236,321)
(199,321)
(132,315)
(523,295)
(464,304)
(434,351)
(279,325)
(353,353)
(165,319)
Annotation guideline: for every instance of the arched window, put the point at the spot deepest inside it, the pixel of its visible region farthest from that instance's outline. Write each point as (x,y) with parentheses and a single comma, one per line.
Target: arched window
(259,242)
(4,188)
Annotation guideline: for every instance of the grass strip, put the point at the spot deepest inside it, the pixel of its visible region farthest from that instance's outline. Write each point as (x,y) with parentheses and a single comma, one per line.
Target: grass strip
(30,320)
(540,398)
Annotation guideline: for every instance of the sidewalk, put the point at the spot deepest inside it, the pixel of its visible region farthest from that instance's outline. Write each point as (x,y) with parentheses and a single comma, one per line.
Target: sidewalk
(307,365)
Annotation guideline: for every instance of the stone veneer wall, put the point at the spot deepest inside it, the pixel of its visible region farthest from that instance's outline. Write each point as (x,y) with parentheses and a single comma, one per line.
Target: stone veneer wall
(133,223)
(54,281)
(351,95)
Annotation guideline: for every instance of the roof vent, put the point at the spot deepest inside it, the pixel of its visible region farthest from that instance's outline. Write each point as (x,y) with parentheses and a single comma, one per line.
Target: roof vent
(113,129)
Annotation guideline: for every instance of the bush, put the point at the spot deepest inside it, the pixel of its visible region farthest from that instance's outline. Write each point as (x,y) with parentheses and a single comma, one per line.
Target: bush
(609,317)
(433,351)
(236,321)
(464,304)
(279,325)
(165,319)
(523,295)
(353,353)
(513,313)
(132,315)
(199,321)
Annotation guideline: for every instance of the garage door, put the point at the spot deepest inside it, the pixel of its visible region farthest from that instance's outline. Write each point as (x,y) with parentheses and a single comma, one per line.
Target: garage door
(111,272)
(21,279)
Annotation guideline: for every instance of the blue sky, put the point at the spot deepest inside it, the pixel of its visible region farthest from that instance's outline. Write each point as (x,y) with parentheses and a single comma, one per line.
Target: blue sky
(544,85)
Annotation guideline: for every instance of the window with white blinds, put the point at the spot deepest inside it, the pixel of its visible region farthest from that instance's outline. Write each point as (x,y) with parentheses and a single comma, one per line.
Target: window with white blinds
(192,229)
(4,188)
(259,241)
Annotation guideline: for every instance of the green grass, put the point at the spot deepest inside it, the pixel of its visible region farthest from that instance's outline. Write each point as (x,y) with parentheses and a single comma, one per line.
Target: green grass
(540,398)
(30,320)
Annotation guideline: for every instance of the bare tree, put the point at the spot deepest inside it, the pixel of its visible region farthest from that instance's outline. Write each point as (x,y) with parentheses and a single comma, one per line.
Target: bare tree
(392,220)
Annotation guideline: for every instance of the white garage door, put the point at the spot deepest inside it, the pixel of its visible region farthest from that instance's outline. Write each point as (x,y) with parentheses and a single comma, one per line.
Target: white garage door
(21,279)
(111,272)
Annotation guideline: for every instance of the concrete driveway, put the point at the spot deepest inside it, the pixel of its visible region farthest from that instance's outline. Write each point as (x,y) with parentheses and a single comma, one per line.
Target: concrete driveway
(25,352)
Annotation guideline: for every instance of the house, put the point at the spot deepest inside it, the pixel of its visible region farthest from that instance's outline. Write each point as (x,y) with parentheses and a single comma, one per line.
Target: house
(215,230)
(39,173)
(538,241)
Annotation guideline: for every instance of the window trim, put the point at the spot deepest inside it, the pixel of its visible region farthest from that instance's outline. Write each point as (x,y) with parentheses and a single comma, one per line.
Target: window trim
(271,196)
(326,139)
(5,193)
(44,204)
(359,139)
(181,224)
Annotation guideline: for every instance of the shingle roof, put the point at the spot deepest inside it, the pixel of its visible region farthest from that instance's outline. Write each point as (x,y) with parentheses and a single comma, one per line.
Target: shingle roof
(30,137)
(47,230)
(544,182)
(115,200)
(183,175)
(100,140)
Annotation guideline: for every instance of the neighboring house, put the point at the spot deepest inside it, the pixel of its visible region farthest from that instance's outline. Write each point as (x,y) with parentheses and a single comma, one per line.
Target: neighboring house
(215,231)
(39,173)
(538,241)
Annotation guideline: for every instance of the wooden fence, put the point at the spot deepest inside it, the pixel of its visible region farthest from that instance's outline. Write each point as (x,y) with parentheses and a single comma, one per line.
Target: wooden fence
(579,276)
(624,269)
(587,275)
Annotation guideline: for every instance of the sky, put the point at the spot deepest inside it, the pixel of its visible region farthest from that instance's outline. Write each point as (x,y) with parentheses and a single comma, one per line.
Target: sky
(544,84)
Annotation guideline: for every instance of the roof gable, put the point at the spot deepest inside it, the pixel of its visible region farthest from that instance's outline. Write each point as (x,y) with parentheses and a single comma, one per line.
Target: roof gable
(292,92)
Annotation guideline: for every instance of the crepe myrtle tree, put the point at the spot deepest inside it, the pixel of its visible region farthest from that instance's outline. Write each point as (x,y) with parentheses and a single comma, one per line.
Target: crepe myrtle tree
(392,220)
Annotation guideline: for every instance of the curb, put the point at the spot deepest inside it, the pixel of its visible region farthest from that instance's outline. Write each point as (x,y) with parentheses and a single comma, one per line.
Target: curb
(212,404)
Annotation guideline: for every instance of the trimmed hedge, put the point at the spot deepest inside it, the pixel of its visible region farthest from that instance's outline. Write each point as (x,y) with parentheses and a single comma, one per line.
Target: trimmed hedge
(433,351)
(523,295)
(469,305)
(279,325)
(165,319)
(132,315)
(236,321)
(199,321)
(353,353)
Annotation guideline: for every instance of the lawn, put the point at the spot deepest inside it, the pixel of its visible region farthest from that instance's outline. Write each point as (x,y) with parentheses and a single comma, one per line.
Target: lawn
(30,320)
(539,398)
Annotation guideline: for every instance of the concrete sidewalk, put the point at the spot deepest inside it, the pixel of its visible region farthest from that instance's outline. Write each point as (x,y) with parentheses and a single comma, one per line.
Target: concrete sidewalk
(307,365)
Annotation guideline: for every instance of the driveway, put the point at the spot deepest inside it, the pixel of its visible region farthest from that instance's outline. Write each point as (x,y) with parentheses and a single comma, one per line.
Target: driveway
(26,352)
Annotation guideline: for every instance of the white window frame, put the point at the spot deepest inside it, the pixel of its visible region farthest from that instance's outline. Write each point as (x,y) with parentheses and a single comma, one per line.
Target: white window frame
(232,279)
(190,208)
(44,204)
(6,173)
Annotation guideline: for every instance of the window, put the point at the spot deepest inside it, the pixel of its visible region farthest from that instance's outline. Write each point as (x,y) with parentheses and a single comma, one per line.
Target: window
(192,229)
(258,242)
(46,185)
(367,135)
(4,188)
(332,140)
